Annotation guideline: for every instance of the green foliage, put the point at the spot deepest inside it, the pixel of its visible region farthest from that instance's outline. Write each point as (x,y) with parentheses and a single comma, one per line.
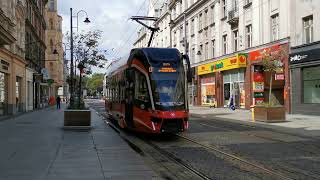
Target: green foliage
(271,61)
(94,83)
(86,50)
(78,106)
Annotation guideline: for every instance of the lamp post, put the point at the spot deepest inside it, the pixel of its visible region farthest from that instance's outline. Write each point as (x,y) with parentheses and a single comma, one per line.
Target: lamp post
(71,51)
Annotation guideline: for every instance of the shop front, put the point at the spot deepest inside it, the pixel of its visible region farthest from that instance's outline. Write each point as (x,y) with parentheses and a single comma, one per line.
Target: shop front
(305,75)
(223,80)
(233,87)
(29,89)
(260,79)
(12,86)
(4,88)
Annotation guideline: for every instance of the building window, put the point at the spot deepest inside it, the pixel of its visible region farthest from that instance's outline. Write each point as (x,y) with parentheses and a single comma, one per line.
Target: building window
(173,13)
(224,8)
(224,44)
(235,5)
(181,33)
(193,55)
(51,24)
(192,27)
(187,29)
(201,52)
(206,51)
(275,27)
(51,46)
(205,18)
(51,5)
(235,40)
(311,85)
(212,15)
(200,21)
(249,36)
(51,66)
(308,29)
(213,45)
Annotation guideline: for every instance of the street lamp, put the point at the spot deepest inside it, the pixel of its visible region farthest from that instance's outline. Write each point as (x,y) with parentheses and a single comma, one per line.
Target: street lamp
(71,47)
(87,21)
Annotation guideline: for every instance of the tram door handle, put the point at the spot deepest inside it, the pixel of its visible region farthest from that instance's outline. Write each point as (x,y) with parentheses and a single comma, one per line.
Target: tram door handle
(189,75)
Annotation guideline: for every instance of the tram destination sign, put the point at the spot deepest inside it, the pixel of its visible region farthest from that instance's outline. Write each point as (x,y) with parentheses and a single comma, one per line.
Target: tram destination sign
(167,70)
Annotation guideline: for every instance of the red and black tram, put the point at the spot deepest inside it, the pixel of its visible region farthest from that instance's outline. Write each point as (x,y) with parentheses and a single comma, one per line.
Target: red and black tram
(147,91)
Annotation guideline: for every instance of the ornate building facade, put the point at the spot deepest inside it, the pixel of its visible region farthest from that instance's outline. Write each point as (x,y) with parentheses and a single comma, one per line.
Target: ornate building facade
(54,52)
(12,55)
(35,41)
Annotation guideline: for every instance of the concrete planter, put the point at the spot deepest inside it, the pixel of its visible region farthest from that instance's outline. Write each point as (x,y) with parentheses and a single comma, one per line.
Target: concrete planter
(80,119)
(269,114)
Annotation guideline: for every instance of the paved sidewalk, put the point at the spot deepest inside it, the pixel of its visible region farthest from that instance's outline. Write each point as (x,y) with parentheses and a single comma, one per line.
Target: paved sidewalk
(294,121)
(35,147)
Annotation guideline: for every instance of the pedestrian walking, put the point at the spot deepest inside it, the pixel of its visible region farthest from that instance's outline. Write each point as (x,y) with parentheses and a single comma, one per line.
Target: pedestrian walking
(58,100)
(231,103)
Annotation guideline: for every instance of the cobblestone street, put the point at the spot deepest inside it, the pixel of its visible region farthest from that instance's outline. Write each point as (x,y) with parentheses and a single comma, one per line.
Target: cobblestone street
(290,155)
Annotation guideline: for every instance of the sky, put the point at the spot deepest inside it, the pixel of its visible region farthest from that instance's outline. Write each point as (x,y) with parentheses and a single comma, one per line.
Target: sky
(110,16)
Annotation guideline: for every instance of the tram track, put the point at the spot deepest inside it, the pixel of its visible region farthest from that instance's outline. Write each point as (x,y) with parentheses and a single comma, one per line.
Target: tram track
(160,156)
(171,163)
(315,149)
(301,147)
(185,165)
(215,149)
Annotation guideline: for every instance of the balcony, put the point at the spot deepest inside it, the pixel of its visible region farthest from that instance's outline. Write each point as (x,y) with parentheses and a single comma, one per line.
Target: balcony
(233,17)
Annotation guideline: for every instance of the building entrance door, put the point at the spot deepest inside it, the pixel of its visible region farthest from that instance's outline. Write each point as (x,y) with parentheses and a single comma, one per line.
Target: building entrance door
(3,94)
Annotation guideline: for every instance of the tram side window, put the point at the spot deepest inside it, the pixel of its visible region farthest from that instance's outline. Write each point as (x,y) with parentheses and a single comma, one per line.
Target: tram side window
(141,88)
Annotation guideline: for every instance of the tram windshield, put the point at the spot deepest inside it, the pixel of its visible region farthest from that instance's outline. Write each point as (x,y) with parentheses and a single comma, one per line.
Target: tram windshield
(168,90)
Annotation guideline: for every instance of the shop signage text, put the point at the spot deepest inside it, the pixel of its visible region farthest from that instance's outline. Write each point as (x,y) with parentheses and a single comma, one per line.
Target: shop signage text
(238,61)
(258,86)
(305,56)
(298,58)
(279,77)
(45,73)
(257,55)
(37,78)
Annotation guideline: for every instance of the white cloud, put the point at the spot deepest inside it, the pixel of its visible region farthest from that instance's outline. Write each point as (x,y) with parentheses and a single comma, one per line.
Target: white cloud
(110,16)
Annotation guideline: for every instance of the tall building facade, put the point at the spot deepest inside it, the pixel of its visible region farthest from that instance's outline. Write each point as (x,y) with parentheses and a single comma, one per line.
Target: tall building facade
(224,40)
(35,44)
(305,57)
(54,53)
(12,57)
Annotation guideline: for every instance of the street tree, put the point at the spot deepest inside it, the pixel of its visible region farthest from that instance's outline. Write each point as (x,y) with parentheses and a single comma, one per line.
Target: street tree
(272,61)
(87,54)
(94,83)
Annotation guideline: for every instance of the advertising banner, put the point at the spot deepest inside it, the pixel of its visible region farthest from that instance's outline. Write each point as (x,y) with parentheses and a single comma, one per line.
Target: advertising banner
(258,86)
(238,61)
(208,91)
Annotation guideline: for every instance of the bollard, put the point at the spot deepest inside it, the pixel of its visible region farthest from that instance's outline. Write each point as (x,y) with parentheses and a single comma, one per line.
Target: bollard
(252,113)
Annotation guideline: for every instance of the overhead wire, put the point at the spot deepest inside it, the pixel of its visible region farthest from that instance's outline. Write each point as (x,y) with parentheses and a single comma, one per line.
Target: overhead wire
(122,43)
(130,37)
